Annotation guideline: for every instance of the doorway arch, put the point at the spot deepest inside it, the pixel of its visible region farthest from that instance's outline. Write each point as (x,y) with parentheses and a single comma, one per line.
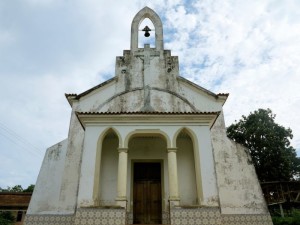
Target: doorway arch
(148,175)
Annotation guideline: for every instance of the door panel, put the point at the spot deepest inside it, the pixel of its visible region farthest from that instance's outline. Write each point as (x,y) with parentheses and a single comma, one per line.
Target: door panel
(139,203)
(147,193)
(155,202)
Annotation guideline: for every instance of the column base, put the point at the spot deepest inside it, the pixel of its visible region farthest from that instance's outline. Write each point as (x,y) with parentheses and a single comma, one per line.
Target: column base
(121,201)
(174,201)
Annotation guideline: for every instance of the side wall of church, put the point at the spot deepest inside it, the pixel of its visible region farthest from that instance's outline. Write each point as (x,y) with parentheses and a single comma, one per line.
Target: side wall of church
(45,198)
(71,175)
(239,189)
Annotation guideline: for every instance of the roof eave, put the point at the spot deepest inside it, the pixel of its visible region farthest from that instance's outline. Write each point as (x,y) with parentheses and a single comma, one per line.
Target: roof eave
(71,98)
(205,118)
(223,97)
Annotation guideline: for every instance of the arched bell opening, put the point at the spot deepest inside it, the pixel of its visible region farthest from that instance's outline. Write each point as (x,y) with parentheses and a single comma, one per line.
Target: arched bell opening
(157,24)
(186,173)
(146,34)
(108,168)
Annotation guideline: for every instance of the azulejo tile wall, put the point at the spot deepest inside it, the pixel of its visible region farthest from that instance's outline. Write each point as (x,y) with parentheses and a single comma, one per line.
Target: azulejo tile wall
(165,217)
(86,216)
(49,220)
(179,216)
(195,216)
(247,220)
(212,216)
(100,216)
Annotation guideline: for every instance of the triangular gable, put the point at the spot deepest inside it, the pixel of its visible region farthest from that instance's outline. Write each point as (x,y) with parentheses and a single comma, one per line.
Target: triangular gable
(71,97)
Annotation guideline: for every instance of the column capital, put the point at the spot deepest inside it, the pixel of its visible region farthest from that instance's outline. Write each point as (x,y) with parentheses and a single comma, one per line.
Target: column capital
(122,150)
(172,150)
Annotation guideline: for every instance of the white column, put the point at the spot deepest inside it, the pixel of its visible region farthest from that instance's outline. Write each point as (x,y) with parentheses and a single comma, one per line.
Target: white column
(122,177)
(173,177)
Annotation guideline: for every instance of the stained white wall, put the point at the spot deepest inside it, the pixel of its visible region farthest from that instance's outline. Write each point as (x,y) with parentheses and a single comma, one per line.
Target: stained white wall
(109,171)
(186,171)
(45,198)
(239,189)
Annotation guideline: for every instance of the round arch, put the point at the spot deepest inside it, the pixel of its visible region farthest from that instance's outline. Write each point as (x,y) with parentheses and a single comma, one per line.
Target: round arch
(137,133)
(146,12)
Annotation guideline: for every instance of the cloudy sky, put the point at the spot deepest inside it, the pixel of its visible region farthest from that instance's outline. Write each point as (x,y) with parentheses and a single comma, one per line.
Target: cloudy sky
(249,48)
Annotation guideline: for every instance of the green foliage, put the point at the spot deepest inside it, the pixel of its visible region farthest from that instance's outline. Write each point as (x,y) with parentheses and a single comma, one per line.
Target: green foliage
(18,188)
(269,145)
(30,188)
(6,218)
(294,219)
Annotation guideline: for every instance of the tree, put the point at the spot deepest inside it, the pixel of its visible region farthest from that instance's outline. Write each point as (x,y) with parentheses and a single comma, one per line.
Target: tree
(17,188)
(30,188)
(6,218)
(269,145)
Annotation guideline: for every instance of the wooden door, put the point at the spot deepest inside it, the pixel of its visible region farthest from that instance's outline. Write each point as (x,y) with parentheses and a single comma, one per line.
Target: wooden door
(147,193)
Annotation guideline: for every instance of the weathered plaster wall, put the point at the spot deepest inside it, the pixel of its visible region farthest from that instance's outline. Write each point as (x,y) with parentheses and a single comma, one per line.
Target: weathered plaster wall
(93,101)
(45,198)
(239,189)
(57,184)
(200,99)
(70,179)
(129,101)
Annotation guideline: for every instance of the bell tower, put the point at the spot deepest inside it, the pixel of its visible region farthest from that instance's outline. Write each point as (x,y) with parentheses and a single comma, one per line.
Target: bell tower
(147,68)
(139,17)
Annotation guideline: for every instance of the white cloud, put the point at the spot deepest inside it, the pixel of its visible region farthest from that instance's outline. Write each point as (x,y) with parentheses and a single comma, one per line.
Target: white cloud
(247,48)
(250,49)
(7,38)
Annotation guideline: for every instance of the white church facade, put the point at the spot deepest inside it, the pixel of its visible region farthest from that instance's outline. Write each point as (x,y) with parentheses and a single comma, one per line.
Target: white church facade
(147,147)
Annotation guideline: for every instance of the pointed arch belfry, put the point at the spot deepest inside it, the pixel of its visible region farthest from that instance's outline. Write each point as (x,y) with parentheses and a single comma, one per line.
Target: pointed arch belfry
(146,12)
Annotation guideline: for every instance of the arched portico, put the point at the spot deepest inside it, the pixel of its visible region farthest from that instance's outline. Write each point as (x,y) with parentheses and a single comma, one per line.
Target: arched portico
(180,150)
(107,151)
(147,177)
(187,142)
(189,176)
(147,132)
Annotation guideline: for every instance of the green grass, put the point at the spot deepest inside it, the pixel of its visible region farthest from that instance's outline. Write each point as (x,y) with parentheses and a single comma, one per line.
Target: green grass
(293,219)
